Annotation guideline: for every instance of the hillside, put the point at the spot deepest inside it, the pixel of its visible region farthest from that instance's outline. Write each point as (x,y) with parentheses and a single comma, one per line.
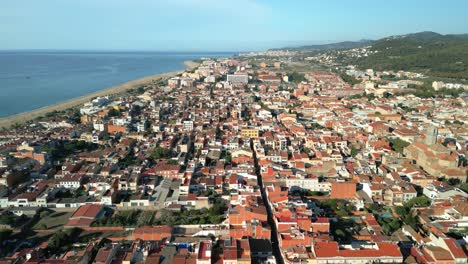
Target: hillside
(426,52)
(331,46)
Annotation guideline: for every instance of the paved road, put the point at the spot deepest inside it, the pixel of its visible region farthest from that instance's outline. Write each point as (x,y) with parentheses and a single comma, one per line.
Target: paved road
(271,222)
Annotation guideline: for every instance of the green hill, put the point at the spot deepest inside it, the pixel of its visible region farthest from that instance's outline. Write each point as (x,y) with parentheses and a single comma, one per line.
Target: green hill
(331,46)
(427,52)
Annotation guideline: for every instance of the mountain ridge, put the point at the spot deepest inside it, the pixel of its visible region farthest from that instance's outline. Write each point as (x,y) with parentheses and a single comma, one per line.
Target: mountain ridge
(426,52)
(423,35)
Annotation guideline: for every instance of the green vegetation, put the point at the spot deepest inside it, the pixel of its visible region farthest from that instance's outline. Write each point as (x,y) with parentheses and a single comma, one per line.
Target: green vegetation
(146,218)
(263,106)
(303,193)
(226,155)
(62,149)
(62,240)
(12,220)
(297,77)
(341,208)
(114,112)
(389,225)
(137,91)
(406,216)
(420,201)
(129,218)
(375,208)
(369,97)
(75,116)
(129,159)
(406,108)
(349,79)
(172,162)
(426,52)
(343,230)
(315,126)
(464,187)
(398,144)
(48,220)
(214,215)
(426,91)
(135,218)
(164,98)
(4,235)
(458,233)
(161,153)
(17,177)
(7,219)
(354,151)
(406,213)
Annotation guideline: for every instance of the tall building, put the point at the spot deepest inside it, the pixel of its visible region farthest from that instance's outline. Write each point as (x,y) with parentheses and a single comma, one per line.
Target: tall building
(249,133)
(238,78)
(431,135)
(438,85)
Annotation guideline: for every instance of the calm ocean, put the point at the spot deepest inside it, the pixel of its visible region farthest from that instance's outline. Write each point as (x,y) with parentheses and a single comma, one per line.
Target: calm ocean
(33,79)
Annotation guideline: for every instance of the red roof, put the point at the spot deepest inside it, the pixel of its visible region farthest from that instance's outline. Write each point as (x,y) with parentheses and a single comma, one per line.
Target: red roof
(331,249)
(85,215)
(87,211)
(79,222)
(204,246)
(455,248)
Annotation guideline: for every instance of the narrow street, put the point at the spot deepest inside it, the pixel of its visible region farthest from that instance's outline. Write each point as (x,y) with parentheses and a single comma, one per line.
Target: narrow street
(271,222)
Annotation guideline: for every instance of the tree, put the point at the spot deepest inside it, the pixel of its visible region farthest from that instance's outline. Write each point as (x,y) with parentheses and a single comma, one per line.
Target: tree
(349,79)
(370,96)
(62,239)
(354,151)
(453,181)
(297,77)
(161,153)
(394,225)
(340,233)
(398,144)
(4,235)
(410,220)
(420,201)
(16,126)
(172,162)
(7,219)
(401,210)
(464,186)
(114,113)
(44,214)
(17,177)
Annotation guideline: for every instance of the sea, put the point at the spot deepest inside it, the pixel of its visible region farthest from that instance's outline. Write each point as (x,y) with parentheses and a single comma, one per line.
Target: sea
(34,79)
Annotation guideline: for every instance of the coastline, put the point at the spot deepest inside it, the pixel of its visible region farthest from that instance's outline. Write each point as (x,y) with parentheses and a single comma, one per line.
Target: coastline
(6,122)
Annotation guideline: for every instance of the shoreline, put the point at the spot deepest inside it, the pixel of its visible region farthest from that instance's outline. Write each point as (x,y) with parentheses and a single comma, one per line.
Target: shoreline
(6,122)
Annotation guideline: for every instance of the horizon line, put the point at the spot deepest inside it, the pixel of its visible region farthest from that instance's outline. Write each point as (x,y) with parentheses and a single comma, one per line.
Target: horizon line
(124,50)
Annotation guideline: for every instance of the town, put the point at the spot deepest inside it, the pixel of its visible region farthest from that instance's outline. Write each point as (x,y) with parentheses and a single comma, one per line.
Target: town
(257,158)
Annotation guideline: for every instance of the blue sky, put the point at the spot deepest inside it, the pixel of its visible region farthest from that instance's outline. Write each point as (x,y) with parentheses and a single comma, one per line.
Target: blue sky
(217,25)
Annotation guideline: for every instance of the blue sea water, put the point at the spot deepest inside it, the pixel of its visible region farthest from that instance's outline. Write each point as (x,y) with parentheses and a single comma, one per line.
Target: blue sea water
(33,79)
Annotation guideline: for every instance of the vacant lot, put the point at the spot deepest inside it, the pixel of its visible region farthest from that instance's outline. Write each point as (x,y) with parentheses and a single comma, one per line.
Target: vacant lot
(55,220)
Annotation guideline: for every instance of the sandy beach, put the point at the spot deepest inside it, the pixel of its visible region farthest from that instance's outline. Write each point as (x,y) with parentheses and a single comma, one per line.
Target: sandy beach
(6,122)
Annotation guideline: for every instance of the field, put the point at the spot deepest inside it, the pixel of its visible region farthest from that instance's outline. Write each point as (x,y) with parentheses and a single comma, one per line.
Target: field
(55,220)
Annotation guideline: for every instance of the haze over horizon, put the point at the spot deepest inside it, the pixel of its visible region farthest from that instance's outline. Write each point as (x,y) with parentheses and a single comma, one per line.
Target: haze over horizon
(210,25)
